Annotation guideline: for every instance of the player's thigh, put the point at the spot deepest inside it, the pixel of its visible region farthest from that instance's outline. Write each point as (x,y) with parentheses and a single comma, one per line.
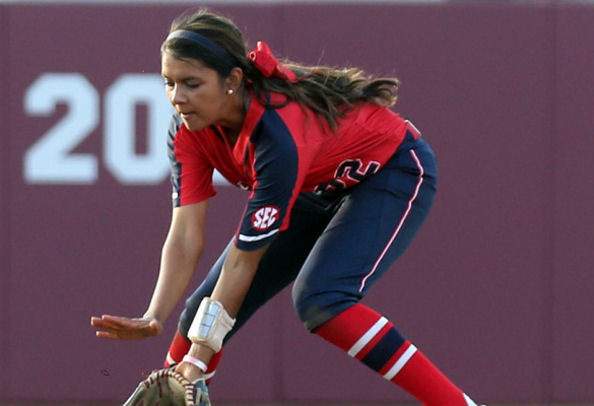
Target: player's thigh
(373,227)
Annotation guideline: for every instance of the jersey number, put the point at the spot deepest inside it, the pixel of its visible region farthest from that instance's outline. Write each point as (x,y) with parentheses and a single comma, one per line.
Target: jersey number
(349,173)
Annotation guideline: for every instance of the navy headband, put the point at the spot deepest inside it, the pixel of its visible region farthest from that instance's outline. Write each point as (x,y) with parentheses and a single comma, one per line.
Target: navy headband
(204,42)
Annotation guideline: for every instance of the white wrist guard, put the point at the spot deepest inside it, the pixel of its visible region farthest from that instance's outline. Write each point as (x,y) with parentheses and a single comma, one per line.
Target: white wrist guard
(211,324)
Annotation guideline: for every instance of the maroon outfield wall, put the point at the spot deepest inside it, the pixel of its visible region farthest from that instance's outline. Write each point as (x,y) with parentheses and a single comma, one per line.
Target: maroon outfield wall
(497,289)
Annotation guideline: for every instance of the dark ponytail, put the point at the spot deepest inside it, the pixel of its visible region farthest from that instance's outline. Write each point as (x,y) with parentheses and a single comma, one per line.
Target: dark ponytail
(329,92)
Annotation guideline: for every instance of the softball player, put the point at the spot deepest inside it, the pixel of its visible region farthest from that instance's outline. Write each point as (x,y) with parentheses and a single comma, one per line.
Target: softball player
(338,187)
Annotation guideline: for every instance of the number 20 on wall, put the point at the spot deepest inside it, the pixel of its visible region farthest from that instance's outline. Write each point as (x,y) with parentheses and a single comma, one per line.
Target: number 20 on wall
(51,160)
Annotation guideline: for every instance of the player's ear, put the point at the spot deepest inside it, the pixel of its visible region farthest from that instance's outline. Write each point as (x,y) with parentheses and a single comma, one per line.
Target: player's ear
(233,81)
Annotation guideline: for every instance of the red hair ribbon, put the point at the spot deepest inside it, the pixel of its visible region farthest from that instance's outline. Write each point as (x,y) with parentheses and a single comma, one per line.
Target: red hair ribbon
(263,59)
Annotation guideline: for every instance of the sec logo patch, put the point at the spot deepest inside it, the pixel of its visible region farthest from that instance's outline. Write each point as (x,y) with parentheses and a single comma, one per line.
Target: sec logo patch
(265,217)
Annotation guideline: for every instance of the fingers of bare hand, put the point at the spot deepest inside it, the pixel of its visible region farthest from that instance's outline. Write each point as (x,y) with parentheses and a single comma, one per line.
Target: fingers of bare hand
(120,323)
(124,328)
(107,326)
(111,328)
(115,320)
(107,334)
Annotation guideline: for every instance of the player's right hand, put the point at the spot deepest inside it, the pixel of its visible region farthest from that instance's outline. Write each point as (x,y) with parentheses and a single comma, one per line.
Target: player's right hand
(124,328)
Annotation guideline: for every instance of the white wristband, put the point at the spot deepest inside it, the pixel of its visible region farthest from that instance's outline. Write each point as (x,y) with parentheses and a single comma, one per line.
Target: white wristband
(210,325)
(196,362)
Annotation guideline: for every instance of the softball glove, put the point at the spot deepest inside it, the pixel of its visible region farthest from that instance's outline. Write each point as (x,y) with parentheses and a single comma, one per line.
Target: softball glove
(165,387)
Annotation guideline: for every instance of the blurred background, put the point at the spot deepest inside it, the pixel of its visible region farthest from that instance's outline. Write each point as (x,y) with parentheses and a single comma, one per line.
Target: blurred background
(497,289)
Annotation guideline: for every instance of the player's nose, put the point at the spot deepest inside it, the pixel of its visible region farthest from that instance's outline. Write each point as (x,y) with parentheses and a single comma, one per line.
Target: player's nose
(177,95)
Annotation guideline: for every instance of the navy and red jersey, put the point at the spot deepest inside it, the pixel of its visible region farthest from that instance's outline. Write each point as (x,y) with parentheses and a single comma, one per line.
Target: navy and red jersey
(280,153)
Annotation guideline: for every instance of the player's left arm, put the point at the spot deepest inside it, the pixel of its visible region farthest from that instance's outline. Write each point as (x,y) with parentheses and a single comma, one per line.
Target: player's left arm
(236,277)
(230,290)
(276,165)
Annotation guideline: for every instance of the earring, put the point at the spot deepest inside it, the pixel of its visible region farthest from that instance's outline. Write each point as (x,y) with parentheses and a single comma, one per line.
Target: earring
(230,91)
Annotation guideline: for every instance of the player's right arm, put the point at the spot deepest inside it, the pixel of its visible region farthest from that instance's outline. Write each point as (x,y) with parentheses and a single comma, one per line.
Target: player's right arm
(181,251)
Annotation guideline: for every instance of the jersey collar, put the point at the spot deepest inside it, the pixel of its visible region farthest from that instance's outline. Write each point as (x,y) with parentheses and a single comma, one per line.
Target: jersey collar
(252,117)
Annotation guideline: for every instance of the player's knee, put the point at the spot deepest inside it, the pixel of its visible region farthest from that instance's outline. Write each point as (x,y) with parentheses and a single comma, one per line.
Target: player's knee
(185,320)
(317,307)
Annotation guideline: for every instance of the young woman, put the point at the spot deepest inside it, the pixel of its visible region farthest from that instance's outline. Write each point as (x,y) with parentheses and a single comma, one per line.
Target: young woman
(338,186)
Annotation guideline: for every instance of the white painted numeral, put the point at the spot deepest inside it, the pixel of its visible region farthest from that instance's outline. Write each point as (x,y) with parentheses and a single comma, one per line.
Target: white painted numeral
(50,159)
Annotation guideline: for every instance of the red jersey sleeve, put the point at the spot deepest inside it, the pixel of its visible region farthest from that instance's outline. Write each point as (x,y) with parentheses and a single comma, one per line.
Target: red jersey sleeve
(191,172)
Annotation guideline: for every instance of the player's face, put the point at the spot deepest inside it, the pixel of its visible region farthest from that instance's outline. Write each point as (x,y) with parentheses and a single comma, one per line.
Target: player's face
(196,92)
